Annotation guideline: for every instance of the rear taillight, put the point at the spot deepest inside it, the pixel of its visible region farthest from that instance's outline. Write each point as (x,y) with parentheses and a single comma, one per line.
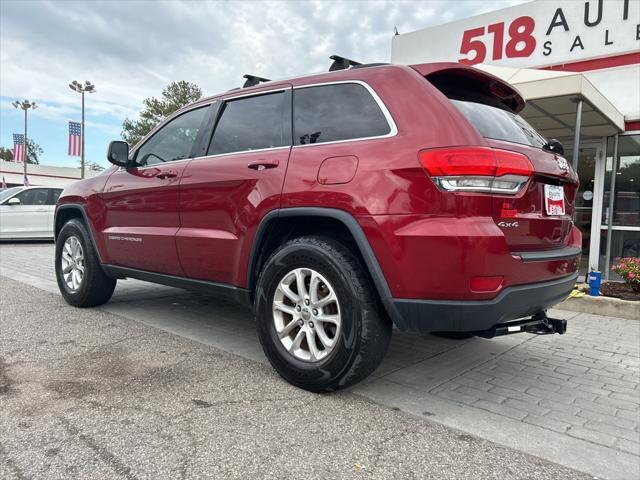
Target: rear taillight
(477,169)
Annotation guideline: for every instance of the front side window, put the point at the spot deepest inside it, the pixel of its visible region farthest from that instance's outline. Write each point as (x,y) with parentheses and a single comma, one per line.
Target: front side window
(5,194)
(37,196)
(172,142)
(330,113)
(252,123)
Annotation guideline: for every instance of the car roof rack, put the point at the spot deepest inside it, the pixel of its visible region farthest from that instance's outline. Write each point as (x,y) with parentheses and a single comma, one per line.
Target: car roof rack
(253,80)
(341,63)
(367,65)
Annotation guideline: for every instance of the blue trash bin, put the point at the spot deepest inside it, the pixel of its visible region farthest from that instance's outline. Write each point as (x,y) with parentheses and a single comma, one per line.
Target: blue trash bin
(594,283)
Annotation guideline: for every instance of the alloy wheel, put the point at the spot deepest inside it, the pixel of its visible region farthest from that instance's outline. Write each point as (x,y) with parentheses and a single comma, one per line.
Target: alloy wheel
(306,315)
(72,263)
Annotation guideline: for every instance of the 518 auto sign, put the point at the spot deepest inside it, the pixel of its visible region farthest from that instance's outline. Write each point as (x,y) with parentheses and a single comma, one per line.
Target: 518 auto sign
(567,32)
(533,34)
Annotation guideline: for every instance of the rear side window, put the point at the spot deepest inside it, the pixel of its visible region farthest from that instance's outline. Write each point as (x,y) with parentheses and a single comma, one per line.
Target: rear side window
(252,123)
(54,195)
(493,122)
(330,113)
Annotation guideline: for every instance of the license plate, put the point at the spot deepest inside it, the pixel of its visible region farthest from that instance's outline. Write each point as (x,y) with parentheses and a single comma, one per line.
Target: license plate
(554,199)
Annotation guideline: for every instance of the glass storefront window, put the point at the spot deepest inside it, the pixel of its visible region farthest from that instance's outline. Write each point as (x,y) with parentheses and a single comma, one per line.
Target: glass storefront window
(626,202)
(624,243)
(621,224)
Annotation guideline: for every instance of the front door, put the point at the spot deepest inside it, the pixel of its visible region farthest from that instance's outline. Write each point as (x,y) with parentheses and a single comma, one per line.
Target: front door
(142,202)
(224,195)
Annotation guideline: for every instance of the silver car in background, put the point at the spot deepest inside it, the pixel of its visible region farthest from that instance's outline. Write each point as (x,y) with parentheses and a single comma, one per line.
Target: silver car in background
(26,213)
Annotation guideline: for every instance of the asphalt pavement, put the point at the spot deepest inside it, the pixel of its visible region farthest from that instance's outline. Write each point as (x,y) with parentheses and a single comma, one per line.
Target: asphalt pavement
(91,394)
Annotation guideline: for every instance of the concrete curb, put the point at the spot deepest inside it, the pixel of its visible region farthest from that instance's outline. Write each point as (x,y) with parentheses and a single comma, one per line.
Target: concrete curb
(608,306)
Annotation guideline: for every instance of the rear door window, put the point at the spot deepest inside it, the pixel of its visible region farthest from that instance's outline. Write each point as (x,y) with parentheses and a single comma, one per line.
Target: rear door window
(253,123)
(498,124)
(331,113)
(54,194)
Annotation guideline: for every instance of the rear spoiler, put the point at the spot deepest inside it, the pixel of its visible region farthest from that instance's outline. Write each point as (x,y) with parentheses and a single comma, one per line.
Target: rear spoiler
(460,82)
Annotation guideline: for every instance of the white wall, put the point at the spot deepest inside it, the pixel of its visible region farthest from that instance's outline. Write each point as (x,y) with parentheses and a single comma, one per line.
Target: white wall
(45,175)
(621,85)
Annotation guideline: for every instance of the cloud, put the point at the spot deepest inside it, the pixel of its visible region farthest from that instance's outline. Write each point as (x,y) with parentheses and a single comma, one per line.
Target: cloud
(131,50)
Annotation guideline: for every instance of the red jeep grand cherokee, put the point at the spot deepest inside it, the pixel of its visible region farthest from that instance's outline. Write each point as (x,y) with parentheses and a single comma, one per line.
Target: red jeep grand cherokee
(336,205)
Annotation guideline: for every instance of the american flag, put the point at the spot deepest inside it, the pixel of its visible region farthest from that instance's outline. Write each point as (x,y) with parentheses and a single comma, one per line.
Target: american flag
(18,147)
(75,139)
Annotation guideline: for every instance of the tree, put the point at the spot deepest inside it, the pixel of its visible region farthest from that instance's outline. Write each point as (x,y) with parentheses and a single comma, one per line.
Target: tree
(34,152)
(93,166)
(174,96)
(6,154)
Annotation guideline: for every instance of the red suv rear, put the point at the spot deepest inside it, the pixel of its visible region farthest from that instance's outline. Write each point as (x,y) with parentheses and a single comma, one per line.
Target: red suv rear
(336,205)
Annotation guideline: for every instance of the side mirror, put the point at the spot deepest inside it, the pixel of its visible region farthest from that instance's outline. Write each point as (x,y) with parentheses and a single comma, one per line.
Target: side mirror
(554,146)
(118,153)
(14,201)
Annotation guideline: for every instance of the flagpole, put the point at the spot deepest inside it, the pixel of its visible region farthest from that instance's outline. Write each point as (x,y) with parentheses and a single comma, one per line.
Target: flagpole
(25,105)
(82,140)
(80,88)
(24,157)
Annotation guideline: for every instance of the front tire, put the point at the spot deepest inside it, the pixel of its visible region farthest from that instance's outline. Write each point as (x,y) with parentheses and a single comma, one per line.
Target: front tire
(318,318)
(81,280)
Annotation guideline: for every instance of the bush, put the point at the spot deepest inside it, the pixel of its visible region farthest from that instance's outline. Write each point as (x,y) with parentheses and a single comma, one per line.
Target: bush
(629,269)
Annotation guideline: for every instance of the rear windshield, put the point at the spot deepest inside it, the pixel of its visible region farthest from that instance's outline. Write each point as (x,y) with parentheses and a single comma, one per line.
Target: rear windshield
(499,124)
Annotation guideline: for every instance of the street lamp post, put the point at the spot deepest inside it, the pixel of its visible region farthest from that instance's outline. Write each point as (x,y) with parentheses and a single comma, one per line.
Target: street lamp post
(87,87)
(25,105)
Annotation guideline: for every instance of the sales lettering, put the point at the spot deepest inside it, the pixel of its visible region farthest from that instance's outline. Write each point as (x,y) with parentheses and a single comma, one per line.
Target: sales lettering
(517,40)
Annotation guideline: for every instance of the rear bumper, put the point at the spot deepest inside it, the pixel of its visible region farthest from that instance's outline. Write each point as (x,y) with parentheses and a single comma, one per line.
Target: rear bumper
(519,301)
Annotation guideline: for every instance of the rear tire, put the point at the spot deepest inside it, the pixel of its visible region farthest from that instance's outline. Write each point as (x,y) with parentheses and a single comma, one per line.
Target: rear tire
(81,280)
(348,347)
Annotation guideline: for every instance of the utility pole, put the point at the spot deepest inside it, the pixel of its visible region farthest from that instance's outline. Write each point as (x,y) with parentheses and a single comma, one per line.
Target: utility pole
(25,105)
(87,87)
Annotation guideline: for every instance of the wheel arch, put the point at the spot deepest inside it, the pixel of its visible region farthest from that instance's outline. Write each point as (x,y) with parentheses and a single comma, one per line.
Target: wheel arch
(69,211)
(280,225)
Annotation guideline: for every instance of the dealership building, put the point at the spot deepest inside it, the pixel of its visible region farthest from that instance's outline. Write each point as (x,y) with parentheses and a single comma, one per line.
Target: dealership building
(577,64)
(12,175)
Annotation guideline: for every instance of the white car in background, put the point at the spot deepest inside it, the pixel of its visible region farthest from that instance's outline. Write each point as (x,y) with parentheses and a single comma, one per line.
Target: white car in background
(26,213)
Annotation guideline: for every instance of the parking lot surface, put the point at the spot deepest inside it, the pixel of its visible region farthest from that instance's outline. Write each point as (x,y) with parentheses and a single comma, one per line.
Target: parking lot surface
(133,392)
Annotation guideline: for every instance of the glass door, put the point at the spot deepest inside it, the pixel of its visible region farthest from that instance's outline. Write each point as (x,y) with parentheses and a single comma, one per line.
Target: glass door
(620,231)
(589,159)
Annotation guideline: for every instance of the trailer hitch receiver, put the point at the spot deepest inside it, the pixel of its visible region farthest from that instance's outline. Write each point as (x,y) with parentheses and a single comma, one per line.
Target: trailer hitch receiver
(539,324)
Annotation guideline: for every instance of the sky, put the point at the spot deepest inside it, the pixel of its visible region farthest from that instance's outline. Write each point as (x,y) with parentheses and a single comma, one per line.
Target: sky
(132,49)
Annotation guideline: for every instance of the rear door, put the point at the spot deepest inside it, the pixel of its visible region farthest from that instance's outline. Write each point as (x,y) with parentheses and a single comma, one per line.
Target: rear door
(225,193)
(142,202)
(54,194)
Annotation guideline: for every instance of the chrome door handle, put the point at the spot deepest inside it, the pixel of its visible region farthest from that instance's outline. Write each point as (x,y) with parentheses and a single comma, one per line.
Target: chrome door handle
(167,174)
(263,164)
